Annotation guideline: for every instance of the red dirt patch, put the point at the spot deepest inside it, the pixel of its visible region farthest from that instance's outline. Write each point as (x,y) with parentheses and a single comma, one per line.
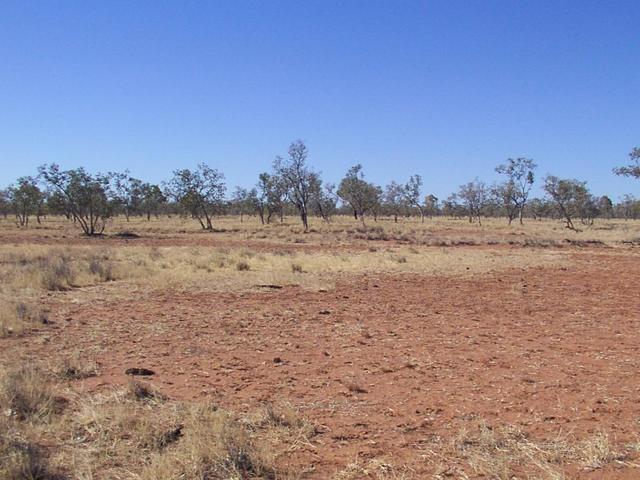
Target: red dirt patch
(388,365)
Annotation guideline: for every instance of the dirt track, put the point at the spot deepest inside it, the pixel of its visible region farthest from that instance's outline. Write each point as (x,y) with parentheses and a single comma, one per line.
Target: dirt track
(388,365)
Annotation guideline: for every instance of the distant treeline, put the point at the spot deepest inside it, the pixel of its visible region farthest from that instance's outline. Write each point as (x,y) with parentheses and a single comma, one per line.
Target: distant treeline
(294,187)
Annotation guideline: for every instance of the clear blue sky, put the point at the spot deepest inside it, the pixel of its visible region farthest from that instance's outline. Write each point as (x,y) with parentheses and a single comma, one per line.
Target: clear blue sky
(447,89)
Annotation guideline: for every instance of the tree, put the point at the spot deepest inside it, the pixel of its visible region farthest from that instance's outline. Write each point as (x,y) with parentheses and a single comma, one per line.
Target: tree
(569,197)
(504,195)
(127,192)
(586,206)
(633,169)
(248,201)
(539,208)
(5,203)
(26,199)
(85,196)
(412,193)
(360,195)
(151,199)
(199,192)
(431,205)
(323,200)
(605,206)
(57,204)
(298,179)
(451,207)
(520,178)
(394,200)
(272,191)
(628,207)
(474,196)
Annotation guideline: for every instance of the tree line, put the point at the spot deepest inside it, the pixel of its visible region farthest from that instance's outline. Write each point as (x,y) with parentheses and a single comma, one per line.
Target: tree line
(294,187)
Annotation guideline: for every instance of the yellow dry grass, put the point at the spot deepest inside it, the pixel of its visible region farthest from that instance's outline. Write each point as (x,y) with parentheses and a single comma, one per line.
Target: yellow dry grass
(30,270)
(127,435)
(343,230)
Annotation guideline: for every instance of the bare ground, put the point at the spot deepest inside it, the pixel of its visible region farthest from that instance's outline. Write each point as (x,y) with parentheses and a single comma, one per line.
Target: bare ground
(389,366)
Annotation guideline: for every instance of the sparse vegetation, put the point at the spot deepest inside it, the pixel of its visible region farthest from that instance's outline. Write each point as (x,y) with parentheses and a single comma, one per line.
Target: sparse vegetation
(64,423)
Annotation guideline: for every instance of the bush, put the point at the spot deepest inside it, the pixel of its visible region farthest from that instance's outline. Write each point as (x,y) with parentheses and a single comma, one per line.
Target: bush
(24,395)
(20,460)
(243,266)
(56,272)
(15,317)
(102,267)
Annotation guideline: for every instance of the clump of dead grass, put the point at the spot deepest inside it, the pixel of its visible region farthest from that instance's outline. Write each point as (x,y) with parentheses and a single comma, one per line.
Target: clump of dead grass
(56,272)
(376,469)
(507,451)
(20,458)
(18,316)
(102,267)
(243,266)
(76,367)
(25,395)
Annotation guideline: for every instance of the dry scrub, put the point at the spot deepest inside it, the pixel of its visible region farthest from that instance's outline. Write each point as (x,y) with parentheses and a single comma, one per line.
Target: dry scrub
(137,433)
(437,231)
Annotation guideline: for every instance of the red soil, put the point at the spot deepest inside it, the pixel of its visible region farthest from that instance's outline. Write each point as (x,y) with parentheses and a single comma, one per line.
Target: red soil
(388,366)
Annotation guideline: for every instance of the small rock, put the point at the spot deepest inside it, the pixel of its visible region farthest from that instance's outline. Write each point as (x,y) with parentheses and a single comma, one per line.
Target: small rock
(139,371)
(324,312)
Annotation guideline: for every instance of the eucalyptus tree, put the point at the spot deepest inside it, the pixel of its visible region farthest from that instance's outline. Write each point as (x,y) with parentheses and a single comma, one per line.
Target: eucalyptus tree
(633,169)
(412,193)
(628,207)
(514,192)
(151,199)
(127,192)
(475,197)
(243,201)
(5,203)
(431,205)
(394,200)
(199,192)
(26,199)
(298,178)
(324,200)
(361,196)
(605,206)
(88,197)
(504,195)
(272,193)
(569,196)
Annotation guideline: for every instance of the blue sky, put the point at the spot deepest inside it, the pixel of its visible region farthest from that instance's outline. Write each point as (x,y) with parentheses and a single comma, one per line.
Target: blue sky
(447,89)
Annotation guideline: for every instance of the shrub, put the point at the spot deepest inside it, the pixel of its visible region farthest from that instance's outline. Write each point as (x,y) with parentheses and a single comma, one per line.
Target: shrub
(19,459)
(24,394)
(102,267)
(56,272)
(15,317)
(242,266)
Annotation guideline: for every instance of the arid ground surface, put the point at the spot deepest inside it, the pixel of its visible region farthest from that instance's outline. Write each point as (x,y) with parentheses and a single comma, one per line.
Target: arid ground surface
(437,351)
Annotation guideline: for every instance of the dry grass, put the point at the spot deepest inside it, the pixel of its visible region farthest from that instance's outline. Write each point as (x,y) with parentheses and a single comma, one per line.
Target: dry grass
(137,433)
(376,469)
(21,459)
(437,231)
(507,452)
(30,270)
(18,316)
(25,395)
(76,367)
